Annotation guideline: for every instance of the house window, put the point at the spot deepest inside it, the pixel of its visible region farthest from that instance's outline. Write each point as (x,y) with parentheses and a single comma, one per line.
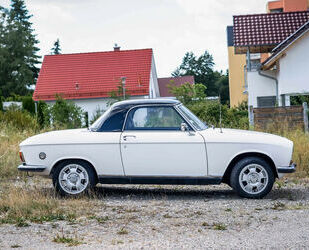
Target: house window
(266,101)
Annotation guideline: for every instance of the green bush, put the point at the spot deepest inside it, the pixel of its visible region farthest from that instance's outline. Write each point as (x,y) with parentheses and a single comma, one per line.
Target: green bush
(1,105)
(63,114)
(209,112)
(40,113)
(19,119)
(28,104)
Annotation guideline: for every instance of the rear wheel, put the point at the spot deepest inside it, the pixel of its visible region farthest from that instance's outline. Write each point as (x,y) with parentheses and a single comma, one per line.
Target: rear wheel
(73,177)
(252,177)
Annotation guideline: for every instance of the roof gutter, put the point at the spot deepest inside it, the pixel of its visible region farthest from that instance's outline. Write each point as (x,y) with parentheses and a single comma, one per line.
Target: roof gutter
(276,81)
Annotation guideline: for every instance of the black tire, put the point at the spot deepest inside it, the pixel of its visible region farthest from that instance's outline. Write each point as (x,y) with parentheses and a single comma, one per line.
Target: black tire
(256,187)
(89,178)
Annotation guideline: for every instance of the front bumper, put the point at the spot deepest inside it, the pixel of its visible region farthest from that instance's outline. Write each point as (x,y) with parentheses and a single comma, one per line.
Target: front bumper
(31,168)
(287,170)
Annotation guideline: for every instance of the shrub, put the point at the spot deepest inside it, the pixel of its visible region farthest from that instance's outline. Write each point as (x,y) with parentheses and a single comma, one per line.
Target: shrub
(63,114)
(28,104)
(1,105)
(19,119)
(209,112)
(40,113)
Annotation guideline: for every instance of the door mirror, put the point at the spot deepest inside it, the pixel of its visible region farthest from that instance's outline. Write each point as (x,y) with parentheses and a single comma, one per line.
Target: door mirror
(184,127)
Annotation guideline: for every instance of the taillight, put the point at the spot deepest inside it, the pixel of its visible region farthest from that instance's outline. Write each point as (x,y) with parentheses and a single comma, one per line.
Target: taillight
(21,156)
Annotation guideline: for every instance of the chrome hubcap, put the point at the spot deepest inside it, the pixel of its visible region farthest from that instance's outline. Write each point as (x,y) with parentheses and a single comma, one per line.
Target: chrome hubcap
(73,179)
(253,178)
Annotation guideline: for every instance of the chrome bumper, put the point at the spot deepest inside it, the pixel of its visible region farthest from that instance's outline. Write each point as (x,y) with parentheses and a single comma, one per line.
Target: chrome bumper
(31,168)
(287,170)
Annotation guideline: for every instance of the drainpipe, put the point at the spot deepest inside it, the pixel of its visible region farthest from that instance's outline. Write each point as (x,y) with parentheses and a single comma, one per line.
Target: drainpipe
(276,80)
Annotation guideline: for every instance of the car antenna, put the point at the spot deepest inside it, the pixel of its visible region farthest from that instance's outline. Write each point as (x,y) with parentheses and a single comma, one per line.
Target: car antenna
(220,121)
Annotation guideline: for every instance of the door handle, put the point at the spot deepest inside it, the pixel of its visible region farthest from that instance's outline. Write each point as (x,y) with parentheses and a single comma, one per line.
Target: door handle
(127,136)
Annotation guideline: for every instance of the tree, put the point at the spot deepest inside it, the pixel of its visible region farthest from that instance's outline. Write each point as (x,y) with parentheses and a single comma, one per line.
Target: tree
(188,93)
(56,49)
(18,50)
(222,84)
(202,70)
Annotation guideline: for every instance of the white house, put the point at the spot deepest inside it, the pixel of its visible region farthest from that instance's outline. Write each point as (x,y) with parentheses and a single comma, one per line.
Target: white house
(285,73)
(88,79)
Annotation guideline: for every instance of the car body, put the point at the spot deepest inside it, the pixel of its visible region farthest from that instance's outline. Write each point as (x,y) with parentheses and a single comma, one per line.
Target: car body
(156,141)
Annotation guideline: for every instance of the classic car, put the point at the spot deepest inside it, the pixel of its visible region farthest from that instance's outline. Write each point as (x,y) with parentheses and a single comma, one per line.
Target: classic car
(157,141)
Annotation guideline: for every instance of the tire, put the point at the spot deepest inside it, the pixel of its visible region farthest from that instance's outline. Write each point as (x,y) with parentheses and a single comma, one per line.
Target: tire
(73,178)
(252,177)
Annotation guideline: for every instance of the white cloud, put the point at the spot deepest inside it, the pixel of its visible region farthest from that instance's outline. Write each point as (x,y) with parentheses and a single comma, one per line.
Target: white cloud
(170,27)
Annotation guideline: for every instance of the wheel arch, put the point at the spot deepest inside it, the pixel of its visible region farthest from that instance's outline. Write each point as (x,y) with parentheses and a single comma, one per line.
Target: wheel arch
(227,173)
(73,159)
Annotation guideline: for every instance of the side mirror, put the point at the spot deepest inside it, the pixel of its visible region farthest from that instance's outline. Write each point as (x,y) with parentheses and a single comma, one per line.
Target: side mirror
(184,127)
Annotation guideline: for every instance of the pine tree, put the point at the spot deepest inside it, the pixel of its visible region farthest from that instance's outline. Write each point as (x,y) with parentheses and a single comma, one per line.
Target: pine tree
(18,51)
(56,49)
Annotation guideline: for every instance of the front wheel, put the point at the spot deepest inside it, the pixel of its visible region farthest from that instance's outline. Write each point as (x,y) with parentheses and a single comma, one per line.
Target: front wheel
(73,177)
(252,177)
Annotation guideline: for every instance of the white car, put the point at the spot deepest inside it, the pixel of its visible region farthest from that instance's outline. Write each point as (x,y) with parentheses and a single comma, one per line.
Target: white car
(157,141)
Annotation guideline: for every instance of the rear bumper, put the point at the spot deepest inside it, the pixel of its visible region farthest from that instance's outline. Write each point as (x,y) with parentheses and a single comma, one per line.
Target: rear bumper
(287,170)
(31,168)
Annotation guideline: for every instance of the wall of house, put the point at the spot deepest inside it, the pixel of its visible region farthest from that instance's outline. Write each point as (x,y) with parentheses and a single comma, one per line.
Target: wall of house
(91,105)
(236,77)
(293,75)
(259,86)
(153,83)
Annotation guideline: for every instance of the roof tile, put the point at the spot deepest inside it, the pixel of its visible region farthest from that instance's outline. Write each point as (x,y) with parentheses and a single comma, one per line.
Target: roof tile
(93,75)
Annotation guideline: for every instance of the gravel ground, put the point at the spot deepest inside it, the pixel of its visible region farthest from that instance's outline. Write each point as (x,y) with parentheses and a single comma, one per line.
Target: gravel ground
(178,217)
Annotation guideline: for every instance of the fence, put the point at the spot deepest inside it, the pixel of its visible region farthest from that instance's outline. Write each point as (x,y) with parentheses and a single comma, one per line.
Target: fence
(292,116)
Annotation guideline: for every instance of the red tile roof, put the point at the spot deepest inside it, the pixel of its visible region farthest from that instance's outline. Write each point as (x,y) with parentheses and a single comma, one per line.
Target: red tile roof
(93,75)
(266,30)
(285,44)
(163,83)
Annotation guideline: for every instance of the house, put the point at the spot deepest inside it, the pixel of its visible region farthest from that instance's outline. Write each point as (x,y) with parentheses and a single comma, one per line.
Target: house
(177,81)
(285,73)
(261,34)
(238,60)
(88,79)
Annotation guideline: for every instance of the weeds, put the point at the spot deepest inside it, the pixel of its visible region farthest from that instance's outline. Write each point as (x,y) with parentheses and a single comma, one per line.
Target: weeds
(64,239)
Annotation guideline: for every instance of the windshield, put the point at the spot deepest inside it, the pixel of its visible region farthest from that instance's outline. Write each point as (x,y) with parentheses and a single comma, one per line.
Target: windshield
(196,122)
(97,124)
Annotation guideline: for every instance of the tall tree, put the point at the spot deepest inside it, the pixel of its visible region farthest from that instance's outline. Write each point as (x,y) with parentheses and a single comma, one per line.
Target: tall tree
(56,50)
(201,68)
(18,50)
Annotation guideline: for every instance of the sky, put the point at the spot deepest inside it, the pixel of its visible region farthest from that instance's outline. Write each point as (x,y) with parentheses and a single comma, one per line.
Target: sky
(170,27)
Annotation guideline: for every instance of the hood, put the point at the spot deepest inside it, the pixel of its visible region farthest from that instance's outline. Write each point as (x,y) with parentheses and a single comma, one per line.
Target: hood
(55,137)
(243,136)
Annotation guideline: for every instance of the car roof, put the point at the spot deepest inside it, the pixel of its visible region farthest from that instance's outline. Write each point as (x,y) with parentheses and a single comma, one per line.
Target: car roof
(145,102)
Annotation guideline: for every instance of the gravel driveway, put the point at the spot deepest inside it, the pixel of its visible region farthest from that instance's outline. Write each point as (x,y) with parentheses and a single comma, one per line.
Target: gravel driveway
(177,217)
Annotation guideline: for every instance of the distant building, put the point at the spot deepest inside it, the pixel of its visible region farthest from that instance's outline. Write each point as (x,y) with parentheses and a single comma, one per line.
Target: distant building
(88,78)
(177,81)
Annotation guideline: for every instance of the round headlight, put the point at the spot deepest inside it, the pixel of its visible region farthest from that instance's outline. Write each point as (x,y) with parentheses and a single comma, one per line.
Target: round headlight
(42,155)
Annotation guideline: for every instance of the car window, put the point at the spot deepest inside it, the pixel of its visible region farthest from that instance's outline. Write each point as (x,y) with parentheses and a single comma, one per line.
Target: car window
(114,123)
(153,118)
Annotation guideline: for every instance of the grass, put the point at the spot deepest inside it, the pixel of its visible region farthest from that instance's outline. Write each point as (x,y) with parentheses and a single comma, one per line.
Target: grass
(64,239)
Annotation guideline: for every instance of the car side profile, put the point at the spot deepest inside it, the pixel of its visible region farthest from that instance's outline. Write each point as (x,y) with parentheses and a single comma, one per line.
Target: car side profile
(157,141)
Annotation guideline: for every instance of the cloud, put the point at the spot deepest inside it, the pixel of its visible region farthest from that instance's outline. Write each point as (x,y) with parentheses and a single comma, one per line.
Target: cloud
(170,27)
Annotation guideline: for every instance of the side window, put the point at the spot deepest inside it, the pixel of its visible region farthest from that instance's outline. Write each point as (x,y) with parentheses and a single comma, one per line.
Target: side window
(114,123)
(153,118)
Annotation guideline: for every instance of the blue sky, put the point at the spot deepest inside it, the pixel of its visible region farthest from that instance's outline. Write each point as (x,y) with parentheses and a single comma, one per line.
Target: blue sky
(170,27)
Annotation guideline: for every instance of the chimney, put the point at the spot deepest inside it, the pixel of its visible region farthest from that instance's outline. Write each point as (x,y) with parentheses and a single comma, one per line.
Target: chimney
(116,47)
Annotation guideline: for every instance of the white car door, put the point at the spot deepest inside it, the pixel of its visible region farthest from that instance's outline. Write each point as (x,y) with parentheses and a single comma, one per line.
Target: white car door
(152,144)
